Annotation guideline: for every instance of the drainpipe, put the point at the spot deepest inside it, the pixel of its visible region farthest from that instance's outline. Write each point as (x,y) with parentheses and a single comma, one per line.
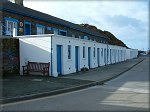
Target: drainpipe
(14,32)
(51,57)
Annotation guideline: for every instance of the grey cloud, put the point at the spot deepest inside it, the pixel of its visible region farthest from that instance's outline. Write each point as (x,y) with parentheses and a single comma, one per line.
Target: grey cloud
(124,21)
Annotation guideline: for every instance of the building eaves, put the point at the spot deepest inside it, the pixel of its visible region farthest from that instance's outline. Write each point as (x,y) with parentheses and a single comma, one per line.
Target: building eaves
(14,8)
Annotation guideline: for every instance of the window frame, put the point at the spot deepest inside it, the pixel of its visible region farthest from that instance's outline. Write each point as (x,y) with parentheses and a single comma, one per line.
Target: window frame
(42,27)
(8,30)
(64,31)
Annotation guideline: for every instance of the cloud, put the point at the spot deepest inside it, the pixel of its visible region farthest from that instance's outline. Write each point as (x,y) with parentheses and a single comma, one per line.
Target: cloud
(122,21)
(127,20)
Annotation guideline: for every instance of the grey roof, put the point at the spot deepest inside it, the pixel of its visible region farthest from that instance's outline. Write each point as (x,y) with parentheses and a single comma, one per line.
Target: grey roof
(14,8)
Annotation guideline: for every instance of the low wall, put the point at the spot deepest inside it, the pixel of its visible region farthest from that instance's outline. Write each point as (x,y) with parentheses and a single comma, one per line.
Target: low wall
(10,55)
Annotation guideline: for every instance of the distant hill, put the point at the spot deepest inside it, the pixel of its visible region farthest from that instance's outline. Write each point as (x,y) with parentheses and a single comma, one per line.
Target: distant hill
(112,39)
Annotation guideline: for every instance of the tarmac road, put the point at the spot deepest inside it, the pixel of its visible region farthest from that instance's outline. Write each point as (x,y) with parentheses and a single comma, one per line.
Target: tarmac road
(128,92)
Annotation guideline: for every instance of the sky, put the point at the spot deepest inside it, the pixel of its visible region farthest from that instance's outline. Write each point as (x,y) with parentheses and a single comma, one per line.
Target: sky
(127,20)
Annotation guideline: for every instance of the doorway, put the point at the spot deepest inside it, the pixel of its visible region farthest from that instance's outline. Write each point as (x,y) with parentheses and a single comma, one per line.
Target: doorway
(59,59)
(89,57)
(77,58)
(27,28)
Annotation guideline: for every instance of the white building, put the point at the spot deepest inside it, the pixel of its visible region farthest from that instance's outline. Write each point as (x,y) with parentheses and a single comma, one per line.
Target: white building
(68,54)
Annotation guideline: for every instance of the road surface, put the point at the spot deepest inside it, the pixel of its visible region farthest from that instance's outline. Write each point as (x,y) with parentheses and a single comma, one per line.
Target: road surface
(128,92)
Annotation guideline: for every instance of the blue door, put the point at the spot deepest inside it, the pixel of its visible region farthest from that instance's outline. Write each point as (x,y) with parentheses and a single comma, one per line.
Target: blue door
(105,56)
(59,63)
(27,30)
(77,58)
(89,56)
(98,57)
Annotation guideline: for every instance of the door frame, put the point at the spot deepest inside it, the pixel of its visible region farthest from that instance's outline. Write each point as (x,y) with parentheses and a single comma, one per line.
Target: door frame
(59,66)
(27,23)
(89,57)
(77,58)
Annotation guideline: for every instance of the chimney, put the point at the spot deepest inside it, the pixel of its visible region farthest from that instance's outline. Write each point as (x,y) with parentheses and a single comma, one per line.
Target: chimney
(19,2)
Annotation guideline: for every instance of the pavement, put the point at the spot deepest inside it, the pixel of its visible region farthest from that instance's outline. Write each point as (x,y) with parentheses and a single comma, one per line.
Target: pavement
(18,88)
(105,72)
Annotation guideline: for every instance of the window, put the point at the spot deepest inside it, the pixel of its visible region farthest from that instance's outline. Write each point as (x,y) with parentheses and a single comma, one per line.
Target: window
(10,26)
(83,51)
(63,32)
(94,52)
(49,28)
(55,31)
(102,52)
(69,51)
(40,29)
(86,37)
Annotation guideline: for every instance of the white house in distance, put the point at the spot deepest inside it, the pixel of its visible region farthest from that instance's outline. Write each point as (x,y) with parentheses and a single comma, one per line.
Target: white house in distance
(68,55)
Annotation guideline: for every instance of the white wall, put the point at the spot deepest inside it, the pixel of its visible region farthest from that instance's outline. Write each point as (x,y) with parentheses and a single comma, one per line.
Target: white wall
(127,53)
(68,65)
(35,49)
(131,53)
(38,48)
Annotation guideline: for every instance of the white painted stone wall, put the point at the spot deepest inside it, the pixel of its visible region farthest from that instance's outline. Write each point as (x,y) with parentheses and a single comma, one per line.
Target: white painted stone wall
(131,53)
(35,49)
(127,53)
(38,48)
